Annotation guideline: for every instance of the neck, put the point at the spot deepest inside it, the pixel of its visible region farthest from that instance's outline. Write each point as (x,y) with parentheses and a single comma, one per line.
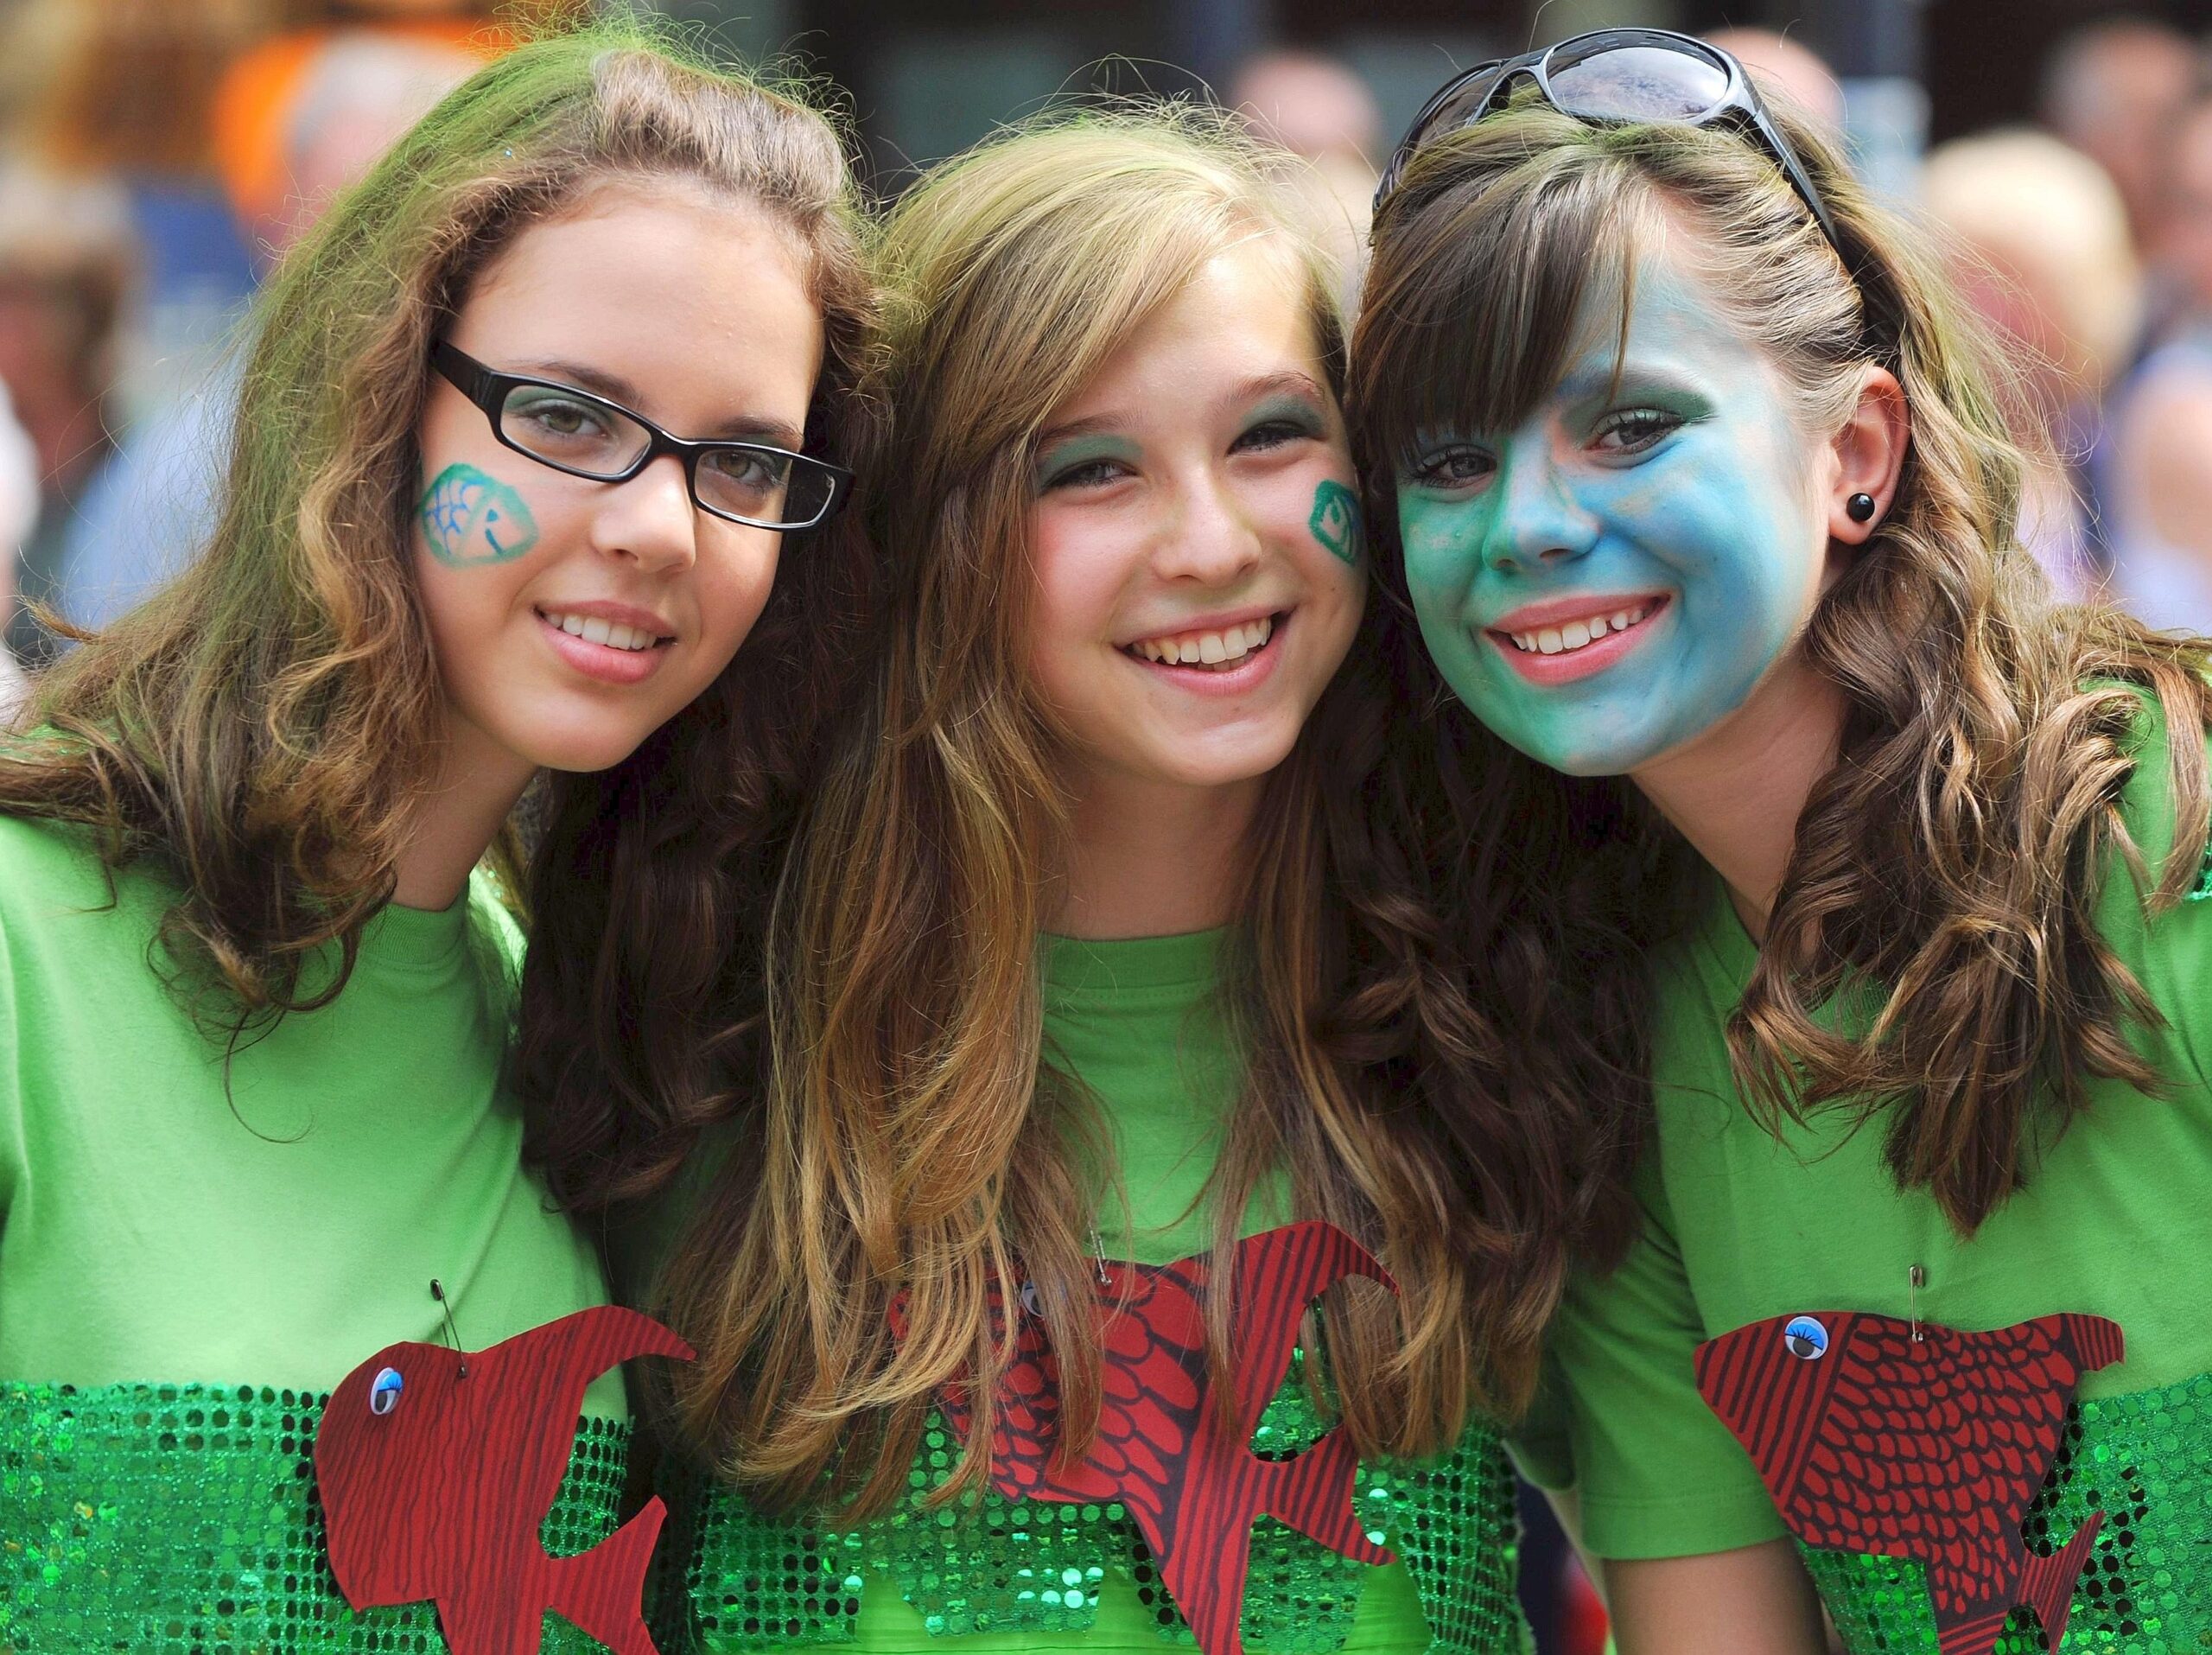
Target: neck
(1152,858)
(1737,791)
(456,816)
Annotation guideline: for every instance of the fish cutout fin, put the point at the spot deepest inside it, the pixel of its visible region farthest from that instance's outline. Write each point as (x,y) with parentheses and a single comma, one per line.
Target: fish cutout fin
(2047,1584)
(1314,1495)
(602,1591)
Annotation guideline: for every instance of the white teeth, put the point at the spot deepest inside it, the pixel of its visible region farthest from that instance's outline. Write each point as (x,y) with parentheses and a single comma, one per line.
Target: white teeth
(1222,648)
(1576,634)
(592,630)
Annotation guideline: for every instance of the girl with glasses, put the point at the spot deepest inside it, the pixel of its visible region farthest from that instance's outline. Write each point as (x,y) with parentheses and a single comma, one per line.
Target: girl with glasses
(258,932)
(1772,806)
(1073,1271)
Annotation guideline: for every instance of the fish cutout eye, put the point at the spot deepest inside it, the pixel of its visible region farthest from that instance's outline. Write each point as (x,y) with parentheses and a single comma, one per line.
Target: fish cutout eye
(384,1391)
(1806,1339)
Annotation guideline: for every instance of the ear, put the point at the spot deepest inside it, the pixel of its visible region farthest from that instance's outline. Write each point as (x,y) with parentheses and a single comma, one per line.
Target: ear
(1869,452)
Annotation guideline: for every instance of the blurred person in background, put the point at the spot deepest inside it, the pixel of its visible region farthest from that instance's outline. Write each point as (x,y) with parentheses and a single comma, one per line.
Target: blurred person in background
(68,257)
(122,91)
(2113,90)
(1323,114)
(2161,467)
(2042,250)
(259,103)
(18,516)
(1780,64)
(148,514)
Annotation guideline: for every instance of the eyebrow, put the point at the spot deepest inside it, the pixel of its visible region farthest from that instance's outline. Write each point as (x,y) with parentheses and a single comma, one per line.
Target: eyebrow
(739,428)
(1291,383)
(1592,379)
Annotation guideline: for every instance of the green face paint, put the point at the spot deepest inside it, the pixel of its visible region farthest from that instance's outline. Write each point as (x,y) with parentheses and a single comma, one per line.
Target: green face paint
(1080,460)
(1335,522)
(471,516)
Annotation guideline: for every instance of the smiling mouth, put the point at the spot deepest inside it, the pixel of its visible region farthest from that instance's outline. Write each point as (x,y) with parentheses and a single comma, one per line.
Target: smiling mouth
(1216,651)
(1565,639)
(612,635)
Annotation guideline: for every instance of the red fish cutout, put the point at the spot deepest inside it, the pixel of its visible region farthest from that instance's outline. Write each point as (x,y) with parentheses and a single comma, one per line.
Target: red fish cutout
(1191,1484)
(1933,1449)
(436,1486)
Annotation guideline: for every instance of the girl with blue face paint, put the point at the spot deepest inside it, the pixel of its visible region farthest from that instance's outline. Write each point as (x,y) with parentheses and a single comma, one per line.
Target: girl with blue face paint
(1782,833)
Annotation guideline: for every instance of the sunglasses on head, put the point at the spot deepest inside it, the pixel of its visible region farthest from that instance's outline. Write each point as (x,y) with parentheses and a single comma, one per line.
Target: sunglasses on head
(1614,77)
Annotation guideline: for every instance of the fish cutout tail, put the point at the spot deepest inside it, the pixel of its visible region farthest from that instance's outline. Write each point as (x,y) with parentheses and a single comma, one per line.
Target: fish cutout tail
(2047,1584)
(1312,1494)
(2098,1342)
(602,1591)
(1974,1637)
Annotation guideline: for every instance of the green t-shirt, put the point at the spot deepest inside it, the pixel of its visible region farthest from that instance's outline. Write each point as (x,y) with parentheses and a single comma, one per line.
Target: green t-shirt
(186,1266)
(2116,1220)
(155,1229)
(1138,1023)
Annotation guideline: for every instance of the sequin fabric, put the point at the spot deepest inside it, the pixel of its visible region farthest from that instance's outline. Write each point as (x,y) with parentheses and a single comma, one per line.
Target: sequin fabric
(733,1580)
(182,1520)
(2145,1460)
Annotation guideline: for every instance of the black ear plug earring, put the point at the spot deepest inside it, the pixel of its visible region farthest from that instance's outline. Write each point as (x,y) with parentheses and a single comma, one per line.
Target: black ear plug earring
(1860,508)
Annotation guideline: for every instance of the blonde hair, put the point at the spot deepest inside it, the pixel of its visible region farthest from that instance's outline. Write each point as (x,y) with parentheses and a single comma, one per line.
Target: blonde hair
(913,1137)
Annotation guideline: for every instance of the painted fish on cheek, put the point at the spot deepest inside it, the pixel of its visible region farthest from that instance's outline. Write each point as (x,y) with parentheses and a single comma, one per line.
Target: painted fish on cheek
(1335,520)
(469,517)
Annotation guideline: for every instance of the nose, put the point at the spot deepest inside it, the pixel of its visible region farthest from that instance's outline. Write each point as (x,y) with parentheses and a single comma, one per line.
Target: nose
(1207,536)
(650,520)
(1534,517)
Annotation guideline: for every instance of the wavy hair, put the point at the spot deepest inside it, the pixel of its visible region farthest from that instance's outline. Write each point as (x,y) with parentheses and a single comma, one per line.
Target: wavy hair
(913,1137)
(265,724)
(1947,867)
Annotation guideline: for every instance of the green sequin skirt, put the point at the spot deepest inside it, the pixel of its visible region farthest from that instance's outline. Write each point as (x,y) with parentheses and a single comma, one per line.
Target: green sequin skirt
(182,1520)
(2146,1461)
(731,1579)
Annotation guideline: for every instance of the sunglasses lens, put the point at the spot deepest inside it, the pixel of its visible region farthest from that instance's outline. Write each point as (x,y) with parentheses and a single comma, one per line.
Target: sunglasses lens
(1638,83)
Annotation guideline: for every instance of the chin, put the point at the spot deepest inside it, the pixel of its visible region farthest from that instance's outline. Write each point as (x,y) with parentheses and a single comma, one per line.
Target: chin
(581,752)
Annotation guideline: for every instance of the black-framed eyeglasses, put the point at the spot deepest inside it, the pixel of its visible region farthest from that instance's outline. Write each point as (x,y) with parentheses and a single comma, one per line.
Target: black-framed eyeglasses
(587,436)
(1618,77)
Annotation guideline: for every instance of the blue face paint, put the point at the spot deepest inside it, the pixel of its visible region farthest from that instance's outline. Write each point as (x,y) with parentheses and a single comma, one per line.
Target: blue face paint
(471,516)
(1335,522)
(1676,502)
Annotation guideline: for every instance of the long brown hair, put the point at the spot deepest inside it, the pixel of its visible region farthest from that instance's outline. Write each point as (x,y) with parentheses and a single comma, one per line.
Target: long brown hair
(1949,864)
(265,725)
(912,1136)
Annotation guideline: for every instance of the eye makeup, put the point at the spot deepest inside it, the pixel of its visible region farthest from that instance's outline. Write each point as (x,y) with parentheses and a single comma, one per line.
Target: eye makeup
(1079,461)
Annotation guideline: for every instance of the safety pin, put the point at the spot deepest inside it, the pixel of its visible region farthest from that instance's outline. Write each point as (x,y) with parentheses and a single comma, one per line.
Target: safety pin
(438,1292)
(1916,1278)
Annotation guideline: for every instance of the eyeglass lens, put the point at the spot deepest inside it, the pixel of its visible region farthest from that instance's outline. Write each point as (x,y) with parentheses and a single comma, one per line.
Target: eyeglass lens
(582,435)
(1637,83)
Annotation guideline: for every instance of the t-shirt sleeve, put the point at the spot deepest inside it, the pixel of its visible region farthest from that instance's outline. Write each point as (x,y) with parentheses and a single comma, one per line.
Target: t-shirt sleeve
(1656,1472)
(2170,953)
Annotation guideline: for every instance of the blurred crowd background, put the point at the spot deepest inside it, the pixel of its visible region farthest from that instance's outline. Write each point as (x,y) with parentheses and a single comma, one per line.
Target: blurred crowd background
(156,156)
